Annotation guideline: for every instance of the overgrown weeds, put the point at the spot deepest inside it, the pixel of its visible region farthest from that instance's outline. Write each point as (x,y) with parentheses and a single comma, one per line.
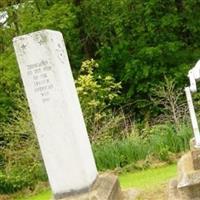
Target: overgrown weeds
(162,143)
(20,161)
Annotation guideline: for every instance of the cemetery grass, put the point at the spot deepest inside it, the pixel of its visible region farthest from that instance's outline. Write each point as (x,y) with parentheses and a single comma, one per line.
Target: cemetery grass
(151,182)
(44,195)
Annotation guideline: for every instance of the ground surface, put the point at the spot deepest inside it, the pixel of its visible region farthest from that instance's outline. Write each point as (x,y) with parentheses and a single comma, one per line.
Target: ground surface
(152,183)
(158,193)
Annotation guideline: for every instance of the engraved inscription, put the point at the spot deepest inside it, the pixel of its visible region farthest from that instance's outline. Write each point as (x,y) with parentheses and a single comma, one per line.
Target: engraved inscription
(39,74)
(60,53)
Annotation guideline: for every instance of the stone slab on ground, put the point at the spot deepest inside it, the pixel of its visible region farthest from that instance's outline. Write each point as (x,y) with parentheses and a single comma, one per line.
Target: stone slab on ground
(106,187)
(187,176)
(187,185)
(195,152)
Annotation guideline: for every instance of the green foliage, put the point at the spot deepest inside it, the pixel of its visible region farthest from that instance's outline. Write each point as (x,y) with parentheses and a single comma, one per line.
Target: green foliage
(169,102)
(161,142)
(20,160)
(96,93)
(119,153)
(137,43)
(164,139)
(140,42)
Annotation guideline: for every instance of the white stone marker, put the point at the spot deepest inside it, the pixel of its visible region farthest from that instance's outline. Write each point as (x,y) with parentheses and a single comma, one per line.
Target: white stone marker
(56,111)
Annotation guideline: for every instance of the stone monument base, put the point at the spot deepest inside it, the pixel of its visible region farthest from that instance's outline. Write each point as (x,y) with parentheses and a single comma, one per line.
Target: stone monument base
(187,184)
(106,187)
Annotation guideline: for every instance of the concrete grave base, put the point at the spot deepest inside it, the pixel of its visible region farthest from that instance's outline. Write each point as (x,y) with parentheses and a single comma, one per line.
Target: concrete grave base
(195,151)
(187,184)
(106,187)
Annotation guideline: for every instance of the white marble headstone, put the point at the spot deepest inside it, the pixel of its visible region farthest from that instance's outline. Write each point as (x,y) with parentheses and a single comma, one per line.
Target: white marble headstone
(56,111)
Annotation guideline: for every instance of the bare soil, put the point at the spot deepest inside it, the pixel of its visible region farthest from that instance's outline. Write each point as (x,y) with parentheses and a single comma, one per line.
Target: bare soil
(159,193)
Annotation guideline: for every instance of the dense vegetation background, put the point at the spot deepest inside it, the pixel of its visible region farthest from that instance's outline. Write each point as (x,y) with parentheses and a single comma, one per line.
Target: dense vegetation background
(137,51)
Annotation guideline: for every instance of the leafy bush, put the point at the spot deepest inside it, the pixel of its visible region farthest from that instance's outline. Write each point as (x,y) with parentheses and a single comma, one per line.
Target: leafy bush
(19,177)
(20,161)
(96,93)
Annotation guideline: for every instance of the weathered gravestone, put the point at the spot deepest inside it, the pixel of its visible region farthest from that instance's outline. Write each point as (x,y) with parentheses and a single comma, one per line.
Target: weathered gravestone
(58,120)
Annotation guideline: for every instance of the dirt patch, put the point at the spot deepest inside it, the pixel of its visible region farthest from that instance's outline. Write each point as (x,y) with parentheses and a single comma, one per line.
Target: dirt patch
(159,193)
(4,197)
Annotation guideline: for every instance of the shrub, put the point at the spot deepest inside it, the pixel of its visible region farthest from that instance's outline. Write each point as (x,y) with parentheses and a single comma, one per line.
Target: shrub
(96,93)
(170,102)
(20,161)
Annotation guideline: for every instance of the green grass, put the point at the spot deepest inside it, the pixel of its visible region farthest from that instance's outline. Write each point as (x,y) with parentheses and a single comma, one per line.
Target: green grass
(147,179)
(45,195)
